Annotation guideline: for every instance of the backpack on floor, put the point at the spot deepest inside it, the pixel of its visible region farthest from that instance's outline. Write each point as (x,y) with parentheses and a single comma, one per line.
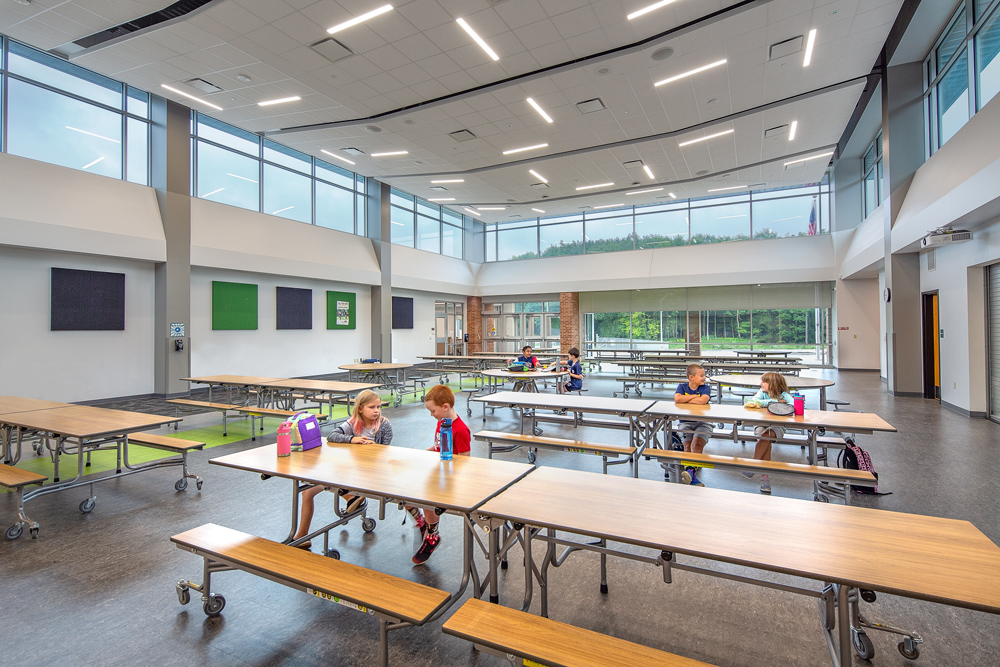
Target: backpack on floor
(855,458)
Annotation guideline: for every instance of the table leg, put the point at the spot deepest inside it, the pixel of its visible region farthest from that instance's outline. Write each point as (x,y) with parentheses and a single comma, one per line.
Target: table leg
(822,398)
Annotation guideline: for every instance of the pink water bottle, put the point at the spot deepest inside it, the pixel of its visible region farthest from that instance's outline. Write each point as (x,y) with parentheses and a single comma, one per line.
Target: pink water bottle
(800,405)
(285,439)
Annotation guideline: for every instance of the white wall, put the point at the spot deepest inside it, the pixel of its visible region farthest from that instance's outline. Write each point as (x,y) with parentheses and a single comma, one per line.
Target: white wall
(856,321)
(408,344)
(267,351)
(883,324)
(421,270)
(72,366)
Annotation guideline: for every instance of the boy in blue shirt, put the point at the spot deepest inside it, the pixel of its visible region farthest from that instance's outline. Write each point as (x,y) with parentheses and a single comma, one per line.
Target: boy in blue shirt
(529,360)
(575,370)
(694,434)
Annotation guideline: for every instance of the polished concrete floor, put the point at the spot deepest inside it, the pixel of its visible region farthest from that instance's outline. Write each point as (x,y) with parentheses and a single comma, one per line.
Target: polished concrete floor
(98,588)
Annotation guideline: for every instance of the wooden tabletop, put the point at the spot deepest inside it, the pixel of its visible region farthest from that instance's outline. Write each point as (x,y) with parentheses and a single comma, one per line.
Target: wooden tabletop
(715,362)
(766,353)
(514,355)
(851,422)
(85,421)
(599,404)
(238,380)
(18,404)
(373,367)
(523,375)
(942,560)
(328,386)
(794,381)
(401,473)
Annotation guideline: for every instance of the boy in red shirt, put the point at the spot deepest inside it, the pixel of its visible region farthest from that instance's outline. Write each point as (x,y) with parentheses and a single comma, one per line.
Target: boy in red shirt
(440,402)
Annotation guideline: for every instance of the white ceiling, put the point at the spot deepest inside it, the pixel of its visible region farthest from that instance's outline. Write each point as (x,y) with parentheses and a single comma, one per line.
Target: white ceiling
(418,53)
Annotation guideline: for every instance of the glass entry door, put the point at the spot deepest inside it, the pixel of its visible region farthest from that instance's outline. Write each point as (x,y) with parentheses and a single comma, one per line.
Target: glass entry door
(449,327)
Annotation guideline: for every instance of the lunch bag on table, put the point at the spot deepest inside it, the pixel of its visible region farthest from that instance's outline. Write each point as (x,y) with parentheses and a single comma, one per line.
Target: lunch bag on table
(305,432)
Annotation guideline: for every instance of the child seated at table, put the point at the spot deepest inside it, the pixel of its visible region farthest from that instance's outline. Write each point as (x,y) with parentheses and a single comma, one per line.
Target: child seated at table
(529,360)
(773,389)
(575,371)
(366,426)
(440,402)
(694,434)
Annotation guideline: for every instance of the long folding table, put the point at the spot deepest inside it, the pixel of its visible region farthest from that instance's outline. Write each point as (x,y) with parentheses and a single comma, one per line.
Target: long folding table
(849,551)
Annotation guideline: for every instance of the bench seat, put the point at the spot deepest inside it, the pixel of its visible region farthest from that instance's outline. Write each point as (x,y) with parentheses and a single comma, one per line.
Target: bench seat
(164,442)
(533,442)
(389,598)
(15,478)
(502,631)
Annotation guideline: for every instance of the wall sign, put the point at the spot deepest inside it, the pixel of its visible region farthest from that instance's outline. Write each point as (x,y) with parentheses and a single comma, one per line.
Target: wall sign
(177,330)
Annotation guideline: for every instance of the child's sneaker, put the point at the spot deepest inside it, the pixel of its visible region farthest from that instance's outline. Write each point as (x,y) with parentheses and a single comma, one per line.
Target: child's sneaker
(765,484)
(694,478)
(747,474)
(431,541)
(356,504)
(421,524)
(686,475)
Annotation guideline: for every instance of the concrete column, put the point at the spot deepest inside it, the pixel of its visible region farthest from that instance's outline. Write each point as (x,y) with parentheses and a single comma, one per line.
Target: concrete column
(380,233)
(170,158)
(570,324)
(902,120)
(474,323)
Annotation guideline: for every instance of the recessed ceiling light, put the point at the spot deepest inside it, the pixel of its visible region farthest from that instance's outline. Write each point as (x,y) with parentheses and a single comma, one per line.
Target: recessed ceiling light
(360,19)
(672,195)
(711,136)
(809,48)
(479,40)
(694,71)
(649,172)
(281,100)
(538,210)
(191,97)
(491,208)
(526,148)
(538,176)
(245,78)
(733,187)
(642,192)
(651,8)
(539,109)
(389,153)
(443,199)
(811,157)
(472,212)
(344,159)
(661,54)
(791,130)
(598,185)
(608,206)
(451,180)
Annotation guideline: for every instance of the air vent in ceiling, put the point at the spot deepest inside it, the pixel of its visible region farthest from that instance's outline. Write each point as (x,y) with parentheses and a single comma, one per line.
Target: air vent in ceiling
(462,135)
(175,12)
(331,49)
(539,186)
(438,188)
(353,151)
(785,48)
(590,106)
(776,131)
(632,164)
(203,86)
(755,185)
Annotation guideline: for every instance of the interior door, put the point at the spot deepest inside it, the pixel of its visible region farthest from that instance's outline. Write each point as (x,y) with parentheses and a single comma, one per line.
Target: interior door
(931,346)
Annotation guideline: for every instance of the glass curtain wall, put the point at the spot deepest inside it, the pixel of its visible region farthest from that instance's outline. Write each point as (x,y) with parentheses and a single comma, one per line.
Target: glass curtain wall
(63,114)
(417,223)
(508,326)
(799,211)
(871,175)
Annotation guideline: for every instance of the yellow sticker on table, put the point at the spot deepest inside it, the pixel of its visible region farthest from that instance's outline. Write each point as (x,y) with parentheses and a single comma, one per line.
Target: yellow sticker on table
(699,464)
(340,601)
(532,663)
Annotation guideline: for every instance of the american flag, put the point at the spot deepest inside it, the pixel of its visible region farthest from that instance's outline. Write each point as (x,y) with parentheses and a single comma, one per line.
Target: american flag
(812,219)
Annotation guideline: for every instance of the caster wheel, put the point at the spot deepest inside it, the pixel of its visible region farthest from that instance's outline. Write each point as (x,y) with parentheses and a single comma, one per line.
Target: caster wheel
(468,413)
(368,524)
(14,532)
(503,565)
(198,484)
(614,394)
(531,457)
(183,594)
(34,532)
(868,596)
(862,645)
(537,431)
(181,484)
(88,505)
(820,498)
(908,649)
(214,605)
(334,554)
(604,589)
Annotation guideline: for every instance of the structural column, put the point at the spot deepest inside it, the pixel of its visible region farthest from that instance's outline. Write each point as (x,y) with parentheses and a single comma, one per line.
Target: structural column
(569,321)
(474,323)
(380,233)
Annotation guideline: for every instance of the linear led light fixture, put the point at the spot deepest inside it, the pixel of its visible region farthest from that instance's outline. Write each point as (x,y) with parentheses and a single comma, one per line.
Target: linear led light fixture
(242,178)
(99,136)
(791,129)
(731,187)
(526,148)
(540,110)
(451,180)
(389,153)
(672,195)
(443,199)
(280,100)
(491,208)
(91,164)
(213,192)
(711,136)
(344,159)
(538,210)
(479,40)
(360,19)
(642,192)
(649,172)
(471,211)
(645,10)
(794,217)
(811,157)
(538,176)
(591,187)
(191,97)
(397,223)
(694,71)
(807,58)
(609,206)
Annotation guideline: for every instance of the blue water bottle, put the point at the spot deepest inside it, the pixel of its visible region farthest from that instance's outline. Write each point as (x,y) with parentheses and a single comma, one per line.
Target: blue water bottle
(446,441)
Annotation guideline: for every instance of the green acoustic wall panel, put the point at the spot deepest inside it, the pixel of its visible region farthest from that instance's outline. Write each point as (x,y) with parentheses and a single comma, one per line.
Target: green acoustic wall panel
(234,306)
(341,310)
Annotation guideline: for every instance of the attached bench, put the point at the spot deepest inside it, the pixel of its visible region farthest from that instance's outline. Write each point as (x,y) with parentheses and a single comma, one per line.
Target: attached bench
(506,632)
(534,442)
(178,403)
(397,603)
(253,412)
(16,479)
(176,445)
(678,460)
(635,382)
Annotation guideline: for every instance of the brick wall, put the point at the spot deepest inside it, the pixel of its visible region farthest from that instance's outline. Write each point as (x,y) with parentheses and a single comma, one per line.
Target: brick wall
(474,323)
(569,321)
